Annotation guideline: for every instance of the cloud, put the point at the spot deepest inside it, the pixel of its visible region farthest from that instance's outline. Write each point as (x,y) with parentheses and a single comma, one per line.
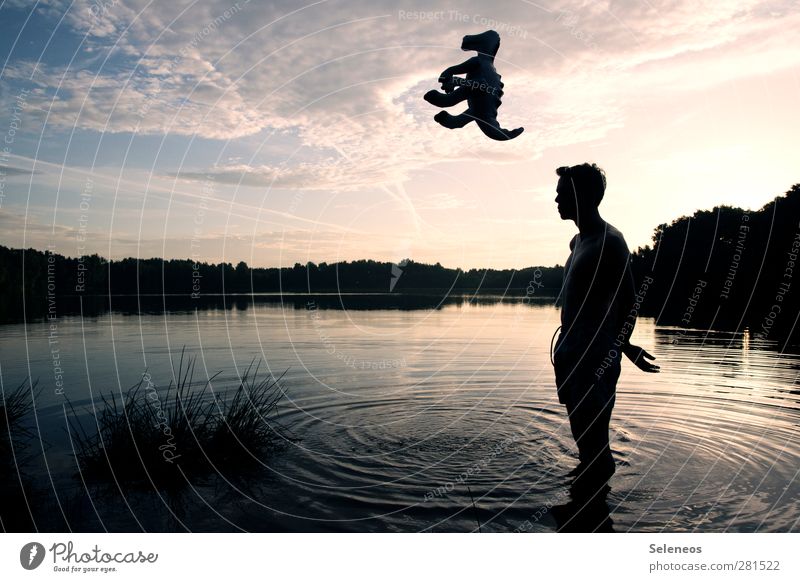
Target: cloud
(444,201)
(326,175)
(12,171)
(346,77)
(137,103)
(20,231)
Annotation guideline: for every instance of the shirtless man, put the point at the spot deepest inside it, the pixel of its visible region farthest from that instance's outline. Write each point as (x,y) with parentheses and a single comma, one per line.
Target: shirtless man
(596,322)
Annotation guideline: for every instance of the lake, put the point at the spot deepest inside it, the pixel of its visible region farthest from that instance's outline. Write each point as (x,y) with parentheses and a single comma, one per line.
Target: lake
(427,418)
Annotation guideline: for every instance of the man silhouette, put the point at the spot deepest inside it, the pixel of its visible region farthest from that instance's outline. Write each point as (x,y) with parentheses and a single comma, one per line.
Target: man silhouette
(596,322)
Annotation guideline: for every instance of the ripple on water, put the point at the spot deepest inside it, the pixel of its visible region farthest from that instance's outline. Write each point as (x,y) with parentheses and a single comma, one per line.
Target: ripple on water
(710,443)
(686,460)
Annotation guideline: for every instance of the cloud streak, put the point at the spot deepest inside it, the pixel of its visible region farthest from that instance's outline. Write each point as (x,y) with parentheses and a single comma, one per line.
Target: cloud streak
(325,97)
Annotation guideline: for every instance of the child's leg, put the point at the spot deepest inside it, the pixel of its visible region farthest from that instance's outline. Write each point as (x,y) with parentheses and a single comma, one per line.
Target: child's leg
(446,99)
(453,121)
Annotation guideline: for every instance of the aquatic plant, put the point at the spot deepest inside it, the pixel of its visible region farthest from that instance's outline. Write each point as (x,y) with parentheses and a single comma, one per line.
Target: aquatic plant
(165,440)
(15,435)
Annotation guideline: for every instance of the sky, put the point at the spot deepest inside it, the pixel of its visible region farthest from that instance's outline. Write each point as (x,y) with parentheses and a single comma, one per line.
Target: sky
(293,131)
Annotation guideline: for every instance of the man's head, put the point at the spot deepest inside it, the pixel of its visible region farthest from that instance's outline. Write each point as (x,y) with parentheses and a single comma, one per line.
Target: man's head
(580,189)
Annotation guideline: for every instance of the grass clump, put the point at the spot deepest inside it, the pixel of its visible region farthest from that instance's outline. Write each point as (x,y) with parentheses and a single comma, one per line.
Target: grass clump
(15,435)
(245,427)
(185,434)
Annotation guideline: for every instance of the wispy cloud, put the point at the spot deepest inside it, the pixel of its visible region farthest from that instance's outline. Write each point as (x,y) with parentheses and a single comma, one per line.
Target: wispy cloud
(332,89)
(12,171)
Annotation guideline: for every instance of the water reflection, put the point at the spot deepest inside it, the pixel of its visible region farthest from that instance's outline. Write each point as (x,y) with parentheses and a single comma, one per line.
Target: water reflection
(442,418)
(585,513)
(98,305)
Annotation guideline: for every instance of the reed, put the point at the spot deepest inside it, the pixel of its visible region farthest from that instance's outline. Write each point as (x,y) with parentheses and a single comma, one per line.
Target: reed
(15,435)
(185,434)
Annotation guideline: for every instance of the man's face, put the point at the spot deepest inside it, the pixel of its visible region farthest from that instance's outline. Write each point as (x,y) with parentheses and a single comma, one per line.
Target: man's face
(566,199)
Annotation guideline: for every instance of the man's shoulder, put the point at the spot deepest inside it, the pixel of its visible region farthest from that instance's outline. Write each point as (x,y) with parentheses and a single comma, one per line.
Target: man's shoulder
(612,230)
(573,241)
(615,237)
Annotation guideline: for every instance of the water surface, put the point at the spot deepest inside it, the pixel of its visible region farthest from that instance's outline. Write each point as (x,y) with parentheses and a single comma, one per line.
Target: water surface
(433,419)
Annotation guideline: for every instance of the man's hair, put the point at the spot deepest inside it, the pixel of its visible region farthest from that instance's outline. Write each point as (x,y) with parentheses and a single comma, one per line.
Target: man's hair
(589,180)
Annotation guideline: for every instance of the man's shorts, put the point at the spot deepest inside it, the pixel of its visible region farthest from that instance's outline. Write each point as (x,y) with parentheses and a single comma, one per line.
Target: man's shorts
(587,369)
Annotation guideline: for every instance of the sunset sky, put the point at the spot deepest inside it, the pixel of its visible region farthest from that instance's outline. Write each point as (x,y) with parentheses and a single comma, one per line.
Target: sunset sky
(283,132)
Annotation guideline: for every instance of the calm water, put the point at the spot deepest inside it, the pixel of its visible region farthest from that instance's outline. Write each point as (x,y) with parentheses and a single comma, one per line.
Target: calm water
(393,407)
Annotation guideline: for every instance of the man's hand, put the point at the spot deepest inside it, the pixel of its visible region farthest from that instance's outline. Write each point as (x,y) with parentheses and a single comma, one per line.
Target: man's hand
(637,355)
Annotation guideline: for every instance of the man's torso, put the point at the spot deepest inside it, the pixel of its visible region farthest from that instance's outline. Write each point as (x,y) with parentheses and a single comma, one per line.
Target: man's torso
(593,275)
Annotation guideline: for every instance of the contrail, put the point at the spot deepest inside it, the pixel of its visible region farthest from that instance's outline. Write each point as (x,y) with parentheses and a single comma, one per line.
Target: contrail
(135,187)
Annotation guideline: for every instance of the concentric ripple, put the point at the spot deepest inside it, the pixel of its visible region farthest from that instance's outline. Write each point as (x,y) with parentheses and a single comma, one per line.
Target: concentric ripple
(447,419)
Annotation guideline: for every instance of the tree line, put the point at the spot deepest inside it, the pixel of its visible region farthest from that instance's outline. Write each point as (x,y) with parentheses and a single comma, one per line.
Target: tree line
(725,268)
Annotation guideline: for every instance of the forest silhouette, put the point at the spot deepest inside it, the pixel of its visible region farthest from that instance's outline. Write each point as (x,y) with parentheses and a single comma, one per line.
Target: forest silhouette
(726,268)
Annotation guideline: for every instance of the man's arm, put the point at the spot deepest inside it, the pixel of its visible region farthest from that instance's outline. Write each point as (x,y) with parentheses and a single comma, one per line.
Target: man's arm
(627,315)
(617,265)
